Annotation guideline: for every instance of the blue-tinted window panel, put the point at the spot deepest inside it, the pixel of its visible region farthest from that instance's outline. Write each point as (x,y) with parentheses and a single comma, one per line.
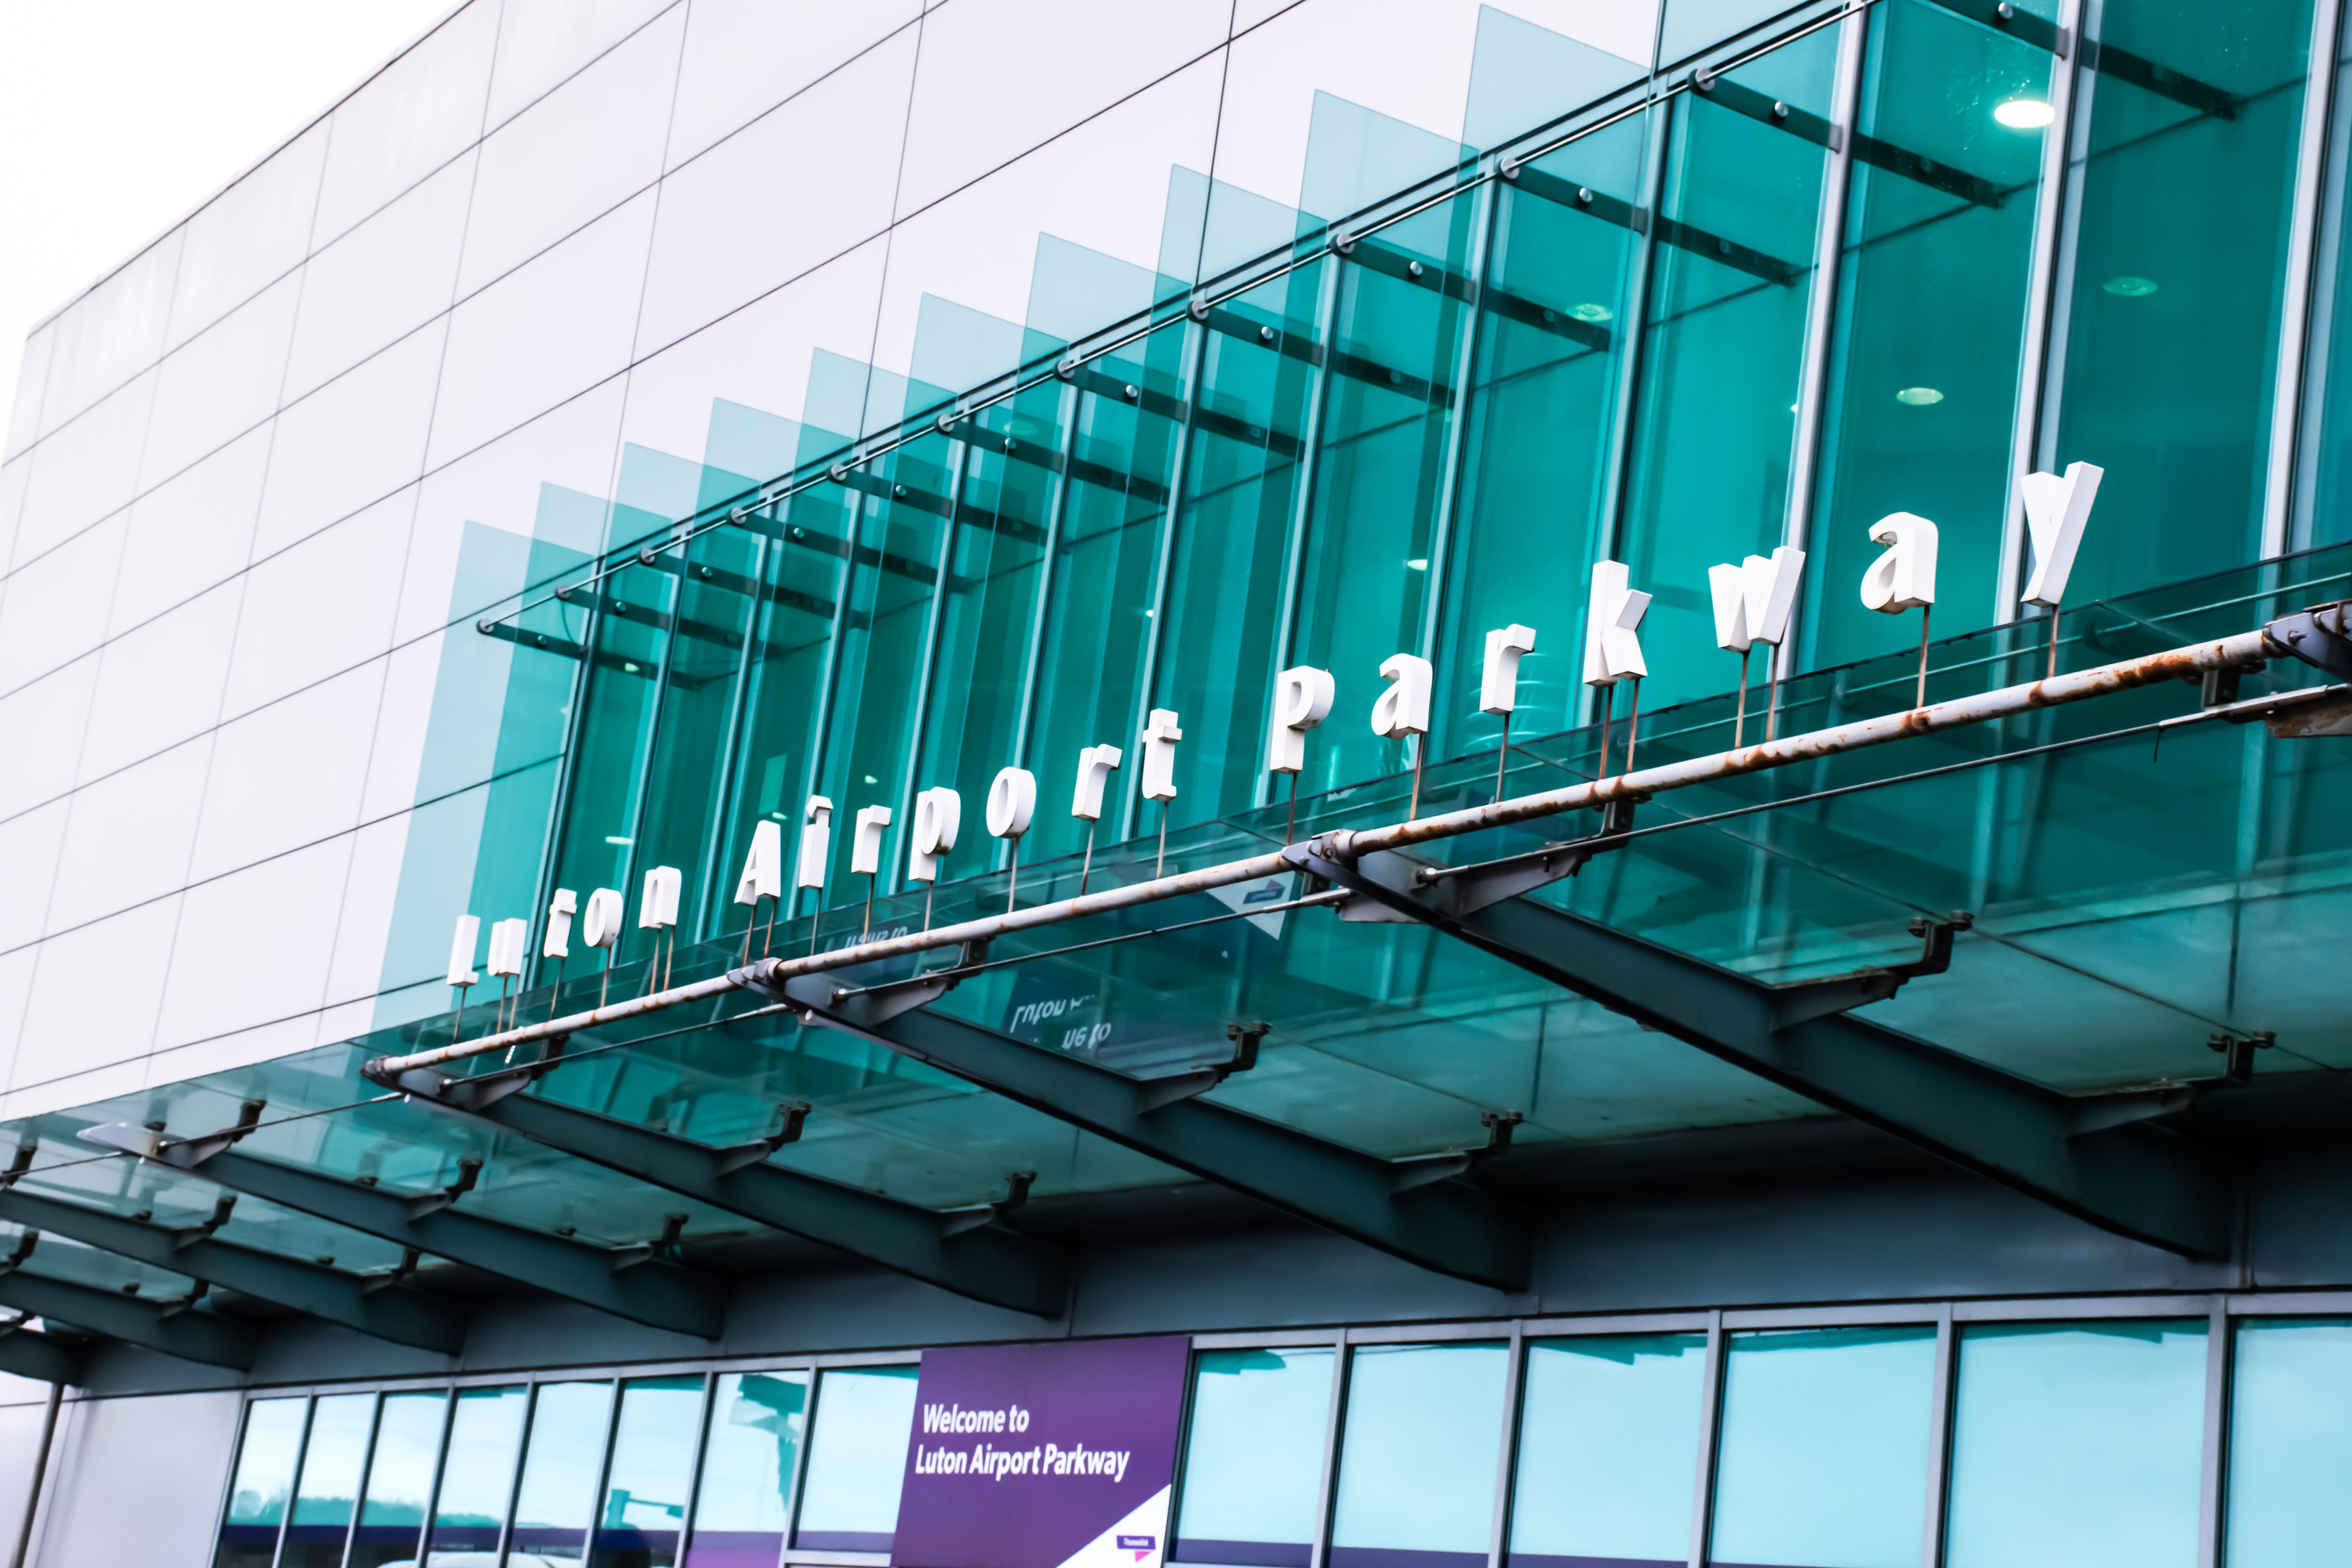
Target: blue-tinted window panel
(1419,1457)
(644,1507)
(2290,1446)
(1824,1452)
(757,1421)
(265,1476)
(1608,1459)
(478,1474)
(857,1456)
(1254,1457)
(408,1432)
(560,1469)
(2077,1446)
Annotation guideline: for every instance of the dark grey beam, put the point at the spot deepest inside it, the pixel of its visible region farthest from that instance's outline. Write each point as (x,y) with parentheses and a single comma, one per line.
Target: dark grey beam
(388,1311)
(622,1281)
(985,1262)
(28,1353)
(1416,1210)
(2128,1177)
(192,1335)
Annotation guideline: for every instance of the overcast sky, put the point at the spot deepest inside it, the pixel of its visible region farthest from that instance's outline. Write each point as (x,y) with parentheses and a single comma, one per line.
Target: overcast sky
(117,117)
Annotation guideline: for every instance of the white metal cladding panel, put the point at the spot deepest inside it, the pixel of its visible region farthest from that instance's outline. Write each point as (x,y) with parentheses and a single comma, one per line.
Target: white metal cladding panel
(169,1454)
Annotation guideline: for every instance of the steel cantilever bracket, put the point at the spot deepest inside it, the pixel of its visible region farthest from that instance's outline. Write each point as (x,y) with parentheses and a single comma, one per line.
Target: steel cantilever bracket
(2135,1178)
(2321,638)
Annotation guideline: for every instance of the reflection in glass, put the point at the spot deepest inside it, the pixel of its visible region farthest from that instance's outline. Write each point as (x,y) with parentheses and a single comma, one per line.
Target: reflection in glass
(857,1456)
(1931,318)
(560,1467)
(264,1474)
(1723,351)
(2077,1446)
(400,1478)
(756,1421)
(332,1458)
(1608,1449)
(644,1505)
(477,1474)
(1419,1456)
(1254,1459)
(1824,1454)
(2172,330)
(2290,1445)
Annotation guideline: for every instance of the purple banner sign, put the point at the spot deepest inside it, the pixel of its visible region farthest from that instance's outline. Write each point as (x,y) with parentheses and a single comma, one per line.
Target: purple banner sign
(1043,1455)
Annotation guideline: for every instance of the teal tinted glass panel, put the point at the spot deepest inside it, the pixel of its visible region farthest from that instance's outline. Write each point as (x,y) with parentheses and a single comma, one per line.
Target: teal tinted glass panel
(801,573)
(478,1474)
(644,1505)
(757,1421)
(1105,557)
(1541,416)
(1419,1457)
(265,1457)
(2290,1445)
(857,1456)
(560,1468)
(1933,282)
(2078,1446)
(332,1456)
(399,1480)
(2171,328)
(1716,411)
(1383,469)
(1254,1457)
(1824,1455)
(2324,484)
(1608,1450)
(1261,366)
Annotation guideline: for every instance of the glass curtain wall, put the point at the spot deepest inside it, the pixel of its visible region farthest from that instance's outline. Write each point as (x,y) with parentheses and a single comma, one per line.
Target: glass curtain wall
(408,1434)
(1609,1443)
(2187,120)
(1934,275)
(478,1475)
(267,1452)
(1254,1457)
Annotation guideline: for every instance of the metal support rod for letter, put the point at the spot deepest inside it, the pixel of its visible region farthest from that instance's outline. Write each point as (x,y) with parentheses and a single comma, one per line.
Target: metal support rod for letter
(1503,756)
(1924,611)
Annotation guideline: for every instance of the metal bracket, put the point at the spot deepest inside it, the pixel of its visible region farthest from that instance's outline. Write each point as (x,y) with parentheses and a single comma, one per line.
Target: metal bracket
(955,1222)
(402,1272)
(1459,891)
(2321,638)
(188,1235)
(469,1171)
(1422,1168)
(1158,1093)
(150,1143)
(1793,1005)
(25,1244)
(22,1163)
(868,1008)
(2238,1053)
(632,1253)
(737,1156)
(2100,1112)
(167,1310)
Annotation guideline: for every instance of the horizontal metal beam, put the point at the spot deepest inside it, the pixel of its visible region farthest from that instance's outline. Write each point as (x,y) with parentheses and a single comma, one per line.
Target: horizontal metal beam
(189,1334)
(985,1262)
(652,1291)
(392,1312)
(1445,1224)
(2137,1180)
(28,1353)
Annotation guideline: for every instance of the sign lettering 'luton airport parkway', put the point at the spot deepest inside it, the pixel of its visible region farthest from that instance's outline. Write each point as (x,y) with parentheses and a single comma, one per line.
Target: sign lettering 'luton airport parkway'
(1043,1455)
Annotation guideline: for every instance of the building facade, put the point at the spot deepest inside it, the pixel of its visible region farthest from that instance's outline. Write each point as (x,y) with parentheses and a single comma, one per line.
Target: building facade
(644,483)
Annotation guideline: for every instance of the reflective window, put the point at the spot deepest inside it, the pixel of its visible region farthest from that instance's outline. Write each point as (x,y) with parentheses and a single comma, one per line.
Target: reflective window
(478,1474)
(264,1474)
(643,1507)
(332,1456)
(2290,1445)
(1254,1457)
(1419,1457)
(2078,1446)
(857,1456)
(559,1466)
(400,1479)
(1608,1449)
(2170,334)
(757,1419)
(1824,1454)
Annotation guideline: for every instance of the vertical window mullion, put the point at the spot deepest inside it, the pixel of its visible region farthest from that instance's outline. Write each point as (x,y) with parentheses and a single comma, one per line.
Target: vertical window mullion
(1450,481)
(2301,274)
(1320,1555)
(1196,366)
(1072,404)
(1939,1439)
(1293,549)
(1709,1434)
(2215,1460)
(1514,1383)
